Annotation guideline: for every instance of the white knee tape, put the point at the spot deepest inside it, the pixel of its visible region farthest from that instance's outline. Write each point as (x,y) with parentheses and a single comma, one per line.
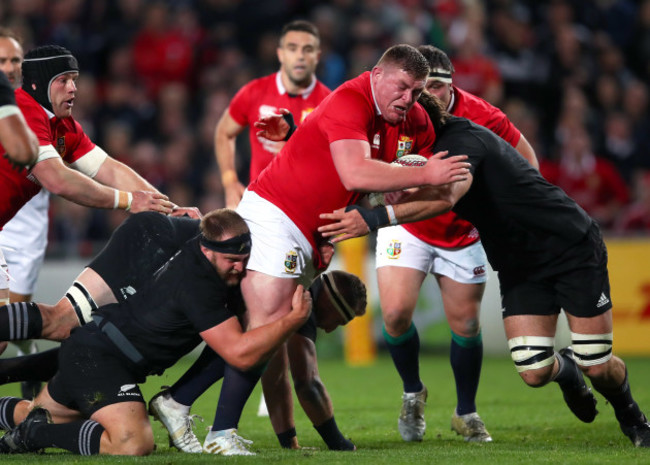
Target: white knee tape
(591,349)
(82,302)
(531,352)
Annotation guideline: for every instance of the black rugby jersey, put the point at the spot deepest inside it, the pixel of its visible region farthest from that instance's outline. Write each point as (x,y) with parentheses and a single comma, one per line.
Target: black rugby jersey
(523,220)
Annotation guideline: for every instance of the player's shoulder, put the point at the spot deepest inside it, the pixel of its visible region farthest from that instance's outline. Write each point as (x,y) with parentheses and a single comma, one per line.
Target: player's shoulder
(470,105)
(27,104)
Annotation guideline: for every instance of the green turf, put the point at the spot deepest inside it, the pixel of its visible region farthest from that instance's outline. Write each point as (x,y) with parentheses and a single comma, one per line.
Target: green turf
(529,426)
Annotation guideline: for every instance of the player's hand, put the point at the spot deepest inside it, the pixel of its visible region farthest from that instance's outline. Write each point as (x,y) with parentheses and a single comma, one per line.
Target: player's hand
(145,201)
(192,212)
(442,170)
(273,127)
(344,225)
(301,305)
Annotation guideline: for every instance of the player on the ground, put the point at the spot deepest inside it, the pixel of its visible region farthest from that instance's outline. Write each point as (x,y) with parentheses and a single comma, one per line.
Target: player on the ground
(94,399)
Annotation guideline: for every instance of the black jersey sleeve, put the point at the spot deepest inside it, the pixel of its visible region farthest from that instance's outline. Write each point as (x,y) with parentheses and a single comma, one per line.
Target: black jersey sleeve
(7,96)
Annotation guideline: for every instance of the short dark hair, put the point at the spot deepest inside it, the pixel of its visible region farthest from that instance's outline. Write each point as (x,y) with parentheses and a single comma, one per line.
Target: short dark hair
(407,58)
(300,25)
(436,58)
(222,221)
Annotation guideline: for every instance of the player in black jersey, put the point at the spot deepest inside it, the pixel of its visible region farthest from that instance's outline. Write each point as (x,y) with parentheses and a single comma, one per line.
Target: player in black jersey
(94,398)
(137,248)
(19,143)
(549,255)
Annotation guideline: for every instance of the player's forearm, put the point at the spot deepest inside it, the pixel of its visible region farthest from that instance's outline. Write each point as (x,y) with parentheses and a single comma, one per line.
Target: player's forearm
(115,174)
(225,154)
(18,140)
(258,345)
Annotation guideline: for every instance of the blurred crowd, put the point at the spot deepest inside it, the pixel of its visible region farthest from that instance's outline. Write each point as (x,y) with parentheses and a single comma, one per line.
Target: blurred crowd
(156,75)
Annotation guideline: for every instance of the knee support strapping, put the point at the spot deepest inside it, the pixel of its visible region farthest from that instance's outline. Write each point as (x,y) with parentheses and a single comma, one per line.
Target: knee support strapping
(531,352)
(82,302)
(591,349)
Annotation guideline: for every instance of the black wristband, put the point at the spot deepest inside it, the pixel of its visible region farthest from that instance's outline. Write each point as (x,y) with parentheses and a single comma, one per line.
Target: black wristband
(288,117)
(286,437)
(375,218)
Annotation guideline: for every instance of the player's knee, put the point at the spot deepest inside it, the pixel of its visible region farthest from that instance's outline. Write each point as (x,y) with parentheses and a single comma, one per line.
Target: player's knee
(132,442)
(534,358)
(592,353)
(397,321)
(466,327)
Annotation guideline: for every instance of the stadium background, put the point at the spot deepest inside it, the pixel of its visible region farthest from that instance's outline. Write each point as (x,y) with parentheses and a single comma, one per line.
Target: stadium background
(156,76)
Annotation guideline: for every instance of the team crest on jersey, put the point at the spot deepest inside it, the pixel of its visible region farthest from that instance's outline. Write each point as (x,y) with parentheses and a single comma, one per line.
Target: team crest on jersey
(60,145)
(291,262)
(404,146)
(376,141)
(394,249)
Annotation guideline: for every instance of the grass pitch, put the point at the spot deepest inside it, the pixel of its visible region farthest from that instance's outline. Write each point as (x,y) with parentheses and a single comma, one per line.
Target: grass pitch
(529,426)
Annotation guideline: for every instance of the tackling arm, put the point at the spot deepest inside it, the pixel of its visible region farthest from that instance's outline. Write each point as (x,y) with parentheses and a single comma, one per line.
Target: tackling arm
(245,350)
(420,205)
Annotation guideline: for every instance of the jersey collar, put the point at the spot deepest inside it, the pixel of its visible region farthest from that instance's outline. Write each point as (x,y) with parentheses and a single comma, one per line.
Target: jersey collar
(372,90)
(282,90)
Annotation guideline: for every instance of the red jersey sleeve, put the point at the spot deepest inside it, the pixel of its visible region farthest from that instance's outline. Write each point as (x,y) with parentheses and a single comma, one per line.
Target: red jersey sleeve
(75,141)
(240,104)
(349,116)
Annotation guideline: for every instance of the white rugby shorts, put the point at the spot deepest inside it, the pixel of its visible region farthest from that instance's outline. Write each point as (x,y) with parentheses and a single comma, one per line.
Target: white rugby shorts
(24,240)
(398,247)
(278,248)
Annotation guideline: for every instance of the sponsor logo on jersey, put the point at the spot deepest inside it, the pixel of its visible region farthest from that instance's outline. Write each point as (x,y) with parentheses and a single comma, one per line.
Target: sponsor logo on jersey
(60,145)
(479,270)
(291,262)
(376,141)
(394,249)
(125,390)
(404,146)
(603,300)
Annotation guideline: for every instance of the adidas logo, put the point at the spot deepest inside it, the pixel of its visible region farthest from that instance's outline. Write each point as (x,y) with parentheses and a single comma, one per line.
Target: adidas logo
(603,300)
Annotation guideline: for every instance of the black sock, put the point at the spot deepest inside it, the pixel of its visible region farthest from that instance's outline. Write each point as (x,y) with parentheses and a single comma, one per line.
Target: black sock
(34,367)
(627,411)
(236,389)
(405,351)
(568,374)
(7,407)
(466,357)
(330,433)
(19,321)
(79,437)
(207,370)
(286,437)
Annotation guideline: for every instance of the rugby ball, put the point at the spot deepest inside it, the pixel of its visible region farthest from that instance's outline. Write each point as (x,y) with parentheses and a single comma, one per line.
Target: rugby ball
(411,160)
(377,198)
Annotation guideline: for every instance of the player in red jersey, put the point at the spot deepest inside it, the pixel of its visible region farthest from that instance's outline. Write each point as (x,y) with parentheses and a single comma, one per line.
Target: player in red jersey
(449,248)
(46,100)
(293,87)
(338,153)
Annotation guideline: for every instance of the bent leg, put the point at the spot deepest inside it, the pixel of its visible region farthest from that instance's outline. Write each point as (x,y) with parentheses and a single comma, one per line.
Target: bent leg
(312,393)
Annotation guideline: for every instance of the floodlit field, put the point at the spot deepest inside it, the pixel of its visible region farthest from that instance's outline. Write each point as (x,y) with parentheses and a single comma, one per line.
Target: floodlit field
(528,425)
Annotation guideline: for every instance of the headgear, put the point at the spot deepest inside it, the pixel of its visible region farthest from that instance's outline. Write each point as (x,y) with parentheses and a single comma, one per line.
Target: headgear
(41,66)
